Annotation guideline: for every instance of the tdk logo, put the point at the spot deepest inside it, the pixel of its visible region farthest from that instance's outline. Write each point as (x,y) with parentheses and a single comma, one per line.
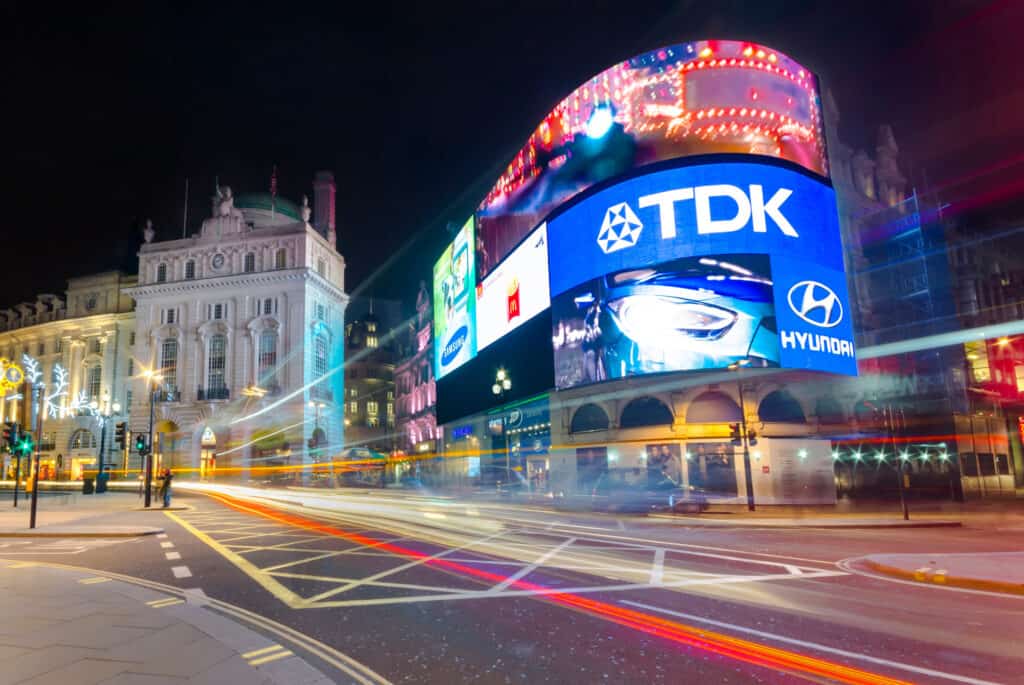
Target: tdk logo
(816,303)
(454,346)
(621,227)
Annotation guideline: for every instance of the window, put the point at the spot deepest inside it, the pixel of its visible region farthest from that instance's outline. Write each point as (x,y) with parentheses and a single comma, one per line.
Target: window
(372,421)
(161,273)
(391,410)
(353,407)
(269,306)
(320,312)
(391,395)
(95,346)
(319,357)
(371,408)
(93,380)
(190,269)
(371,341)
(267,357)
(41,349)
(169,360)
(1019,376)
(83,440)
(131,366)
(977,359)
(128,401)
(352,392)
(215,312)
(169,316)
(321,267)
(281,258)
(131,340)
(216,363)
(59,345)
(250,262)
(371,326)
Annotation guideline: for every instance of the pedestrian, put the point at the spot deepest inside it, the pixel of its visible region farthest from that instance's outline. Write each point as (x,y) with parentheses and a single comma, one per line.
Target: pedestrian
(165,487)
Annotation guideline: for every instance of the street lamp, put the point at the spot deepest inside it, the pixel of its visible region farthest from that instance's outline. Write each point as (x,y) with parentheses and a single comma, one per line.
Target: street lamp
(153,379)
(107,409)
(502,384)
(748,472)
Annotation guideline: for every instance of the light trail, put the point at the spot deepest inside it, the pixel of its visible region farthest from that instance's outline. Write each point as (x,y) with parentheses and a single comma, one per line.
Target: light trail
(679,633)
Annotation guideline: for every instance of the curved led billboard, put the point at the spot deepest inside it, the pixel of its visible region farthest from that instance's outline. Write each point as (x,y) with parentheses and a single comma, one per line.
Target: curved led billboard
(699,264)
(703,97)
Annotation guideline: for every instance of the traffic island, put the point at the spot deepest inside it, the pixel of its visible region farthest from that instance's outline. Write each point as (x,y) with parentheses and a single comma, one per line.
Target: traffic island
(991,571)
(838,521)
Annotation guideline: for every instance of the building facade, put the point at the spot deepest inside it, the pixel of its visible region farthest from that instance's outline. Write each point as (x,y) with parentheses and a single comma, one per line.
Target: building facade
(415,390)
(243,322)
(369,386)
(82,345)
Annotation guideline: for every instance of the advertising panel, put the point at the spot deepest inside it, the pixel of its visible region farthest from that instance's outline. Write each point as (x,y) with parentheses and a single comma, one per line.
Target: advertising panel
(514,292)
(703,97)
(455,303)
(697,267)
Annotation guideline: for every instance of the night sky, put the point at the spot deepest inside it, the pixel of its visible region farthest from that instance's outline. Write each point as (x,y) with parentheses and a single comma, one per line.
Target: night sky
(415,107)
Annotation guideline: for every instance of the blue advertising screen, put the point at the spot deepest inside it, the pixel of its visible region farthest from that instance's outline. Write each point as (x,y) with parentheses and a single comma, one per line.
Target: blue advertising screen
(697,267)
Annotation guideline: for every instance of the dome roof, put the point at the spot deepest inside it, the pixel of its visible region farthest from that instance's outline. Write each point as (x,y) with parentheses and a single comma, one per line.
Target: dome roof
(264,201)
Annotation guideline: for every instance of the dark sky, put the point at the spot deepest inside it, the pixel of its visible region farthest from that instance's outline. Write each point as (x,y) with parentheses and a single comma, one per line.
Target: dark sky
(416,107)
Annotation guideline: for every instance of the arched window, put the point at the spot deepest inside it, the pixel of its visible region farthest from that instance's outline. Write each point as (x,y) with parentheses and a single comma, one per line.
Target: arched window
(161,273)
(93,382)
(781,407)
(589,417)
(645,411)
(267,356)
(169,360)
(281,259)
(190,269)
(216,379)
(250,262)
(713,407)
(82,439)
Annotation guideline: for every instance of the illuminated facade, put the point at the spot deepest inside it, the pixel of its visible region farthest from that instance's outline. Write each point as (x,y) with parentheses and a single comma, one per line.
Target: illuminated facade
(244,323)
(415,389)
(89,333)
(369,386)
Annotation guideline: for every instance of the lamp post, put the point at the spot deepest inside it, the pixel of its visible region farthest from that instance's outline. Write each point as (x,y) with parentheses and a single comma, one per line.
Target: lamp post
(152,380)
(105,411)
(502,384)
(747,471)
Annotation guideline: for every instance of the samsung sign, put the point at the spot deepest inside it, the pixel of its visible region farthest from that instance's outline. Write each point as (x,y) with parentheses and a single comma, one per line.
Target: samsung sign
(657,221)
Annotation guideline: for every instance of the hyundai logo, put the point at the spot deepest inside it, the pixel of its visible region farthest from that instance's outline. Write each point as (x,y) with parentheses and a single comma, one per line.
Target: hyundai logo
(816,303)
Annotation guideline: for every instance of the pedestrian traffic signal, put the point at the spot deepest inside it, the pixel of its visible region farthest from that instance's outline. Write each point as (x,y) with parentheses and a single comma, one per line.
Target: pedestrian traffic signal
(734,434)
(120,435)
(140,444)
(10,436)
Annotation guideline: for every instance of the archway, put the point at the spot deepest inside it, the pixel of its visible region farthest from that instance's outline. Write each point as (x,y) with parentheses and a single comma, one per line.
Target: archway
(780,407)
(713,407)
(645,411)
(589,417)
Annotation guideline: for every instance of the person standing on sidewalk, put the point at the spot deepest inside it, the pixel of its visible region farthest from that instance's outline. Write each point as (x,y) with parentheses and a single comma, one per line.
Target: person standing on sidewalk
(165,487)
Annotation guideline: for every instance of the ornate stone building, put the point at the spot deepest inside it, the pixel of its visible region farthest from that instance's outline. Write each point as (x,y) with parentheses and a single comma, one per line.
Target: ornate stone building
(244,322)
(415,392)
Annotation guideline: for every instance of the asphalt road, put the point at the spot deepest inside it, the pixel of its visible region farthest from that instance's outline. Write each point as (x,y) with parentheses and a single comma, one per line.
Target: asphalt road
(435,590)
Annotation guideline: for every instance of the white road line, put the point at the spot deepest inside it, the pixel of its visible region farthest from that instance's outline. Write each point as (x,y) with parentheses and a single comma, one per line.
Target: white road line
(813,645)
(181,572)
(658,568)
(167,545)
(795,570)
(532,567)
(173,556)
(161,535)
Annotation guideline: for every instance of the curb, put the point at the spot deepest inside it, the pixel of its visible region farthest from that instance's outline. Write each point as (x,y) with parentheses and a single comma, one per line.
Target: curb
(942,579)
(740,523)
(82,534)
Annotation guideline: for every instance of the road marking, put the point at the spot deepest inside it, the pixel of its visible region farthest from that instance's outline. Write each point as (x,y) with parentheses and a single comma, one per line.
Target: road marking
(181,572)
(795,570)
(658,567)
(167,545)
(94,581)
(274,656)
(849,568)
(173,556)
(525,570)
(812,645)
(22,564)
(166,602)
(161,535)
(264,650)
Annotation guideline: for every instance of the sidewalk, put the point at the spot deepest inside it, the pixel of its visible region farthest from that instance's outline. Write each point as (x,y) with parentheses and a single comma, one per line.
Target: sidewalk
(68,626)
(758,520)
(992,571)
(77,515)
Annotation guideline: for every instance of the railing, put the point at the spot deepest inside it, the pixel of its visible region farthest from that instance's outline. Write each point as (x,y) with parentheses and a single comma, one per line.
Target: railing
(167,394)
(212,394)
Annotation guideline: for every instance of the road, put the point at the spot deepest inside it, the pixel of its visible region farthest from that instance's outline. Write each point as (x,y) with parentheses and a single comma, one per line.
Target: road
(423,589)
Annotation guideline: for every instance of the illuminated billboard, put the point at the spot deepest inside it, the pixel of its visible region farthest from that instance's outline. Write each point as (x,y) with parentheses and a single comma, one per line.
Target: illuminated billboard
(516,291)
(699,265)
(455,303)
(704,97)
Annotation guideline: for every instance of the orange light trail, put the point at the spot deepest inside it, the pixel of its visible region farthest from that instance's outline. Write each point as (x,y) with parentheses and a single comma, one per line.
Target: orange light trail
(682,634)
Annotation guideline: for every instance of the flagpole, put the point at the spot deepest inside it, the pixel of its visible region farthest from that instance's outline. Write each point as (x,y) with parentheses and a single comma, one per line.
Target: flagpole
(184,219)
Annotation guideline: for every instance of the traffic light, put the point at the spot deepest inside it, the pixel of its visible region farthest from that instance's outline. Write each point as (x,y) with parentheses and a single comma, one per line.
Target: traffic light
(734,434)
(140,444)
(25,443)
(10,435)
(120,435)
(751,437)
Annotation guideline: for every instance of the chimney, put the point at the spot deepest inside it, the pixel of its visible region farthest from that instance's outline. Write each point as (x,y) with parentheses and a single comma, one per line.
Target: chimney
(323,203)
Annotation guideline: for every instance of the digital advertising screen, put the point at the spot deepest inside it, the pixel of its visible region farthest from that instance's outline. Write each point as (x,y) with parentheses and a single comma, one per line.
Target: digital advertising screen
(455,304)
(697,264)
(514,292)
(698,98)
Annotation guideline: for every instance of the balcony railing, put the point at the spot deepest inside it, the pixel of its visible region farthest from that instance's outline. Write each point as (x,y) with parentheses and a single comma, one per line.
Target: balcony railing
(167,394)
(212,394)
(319,393)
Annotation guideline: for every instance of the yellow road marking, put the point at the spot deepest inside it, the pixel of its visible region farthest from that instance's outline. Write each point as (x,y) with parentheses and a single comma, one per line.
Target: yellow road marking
(93,581)
(160,603)
(272,657)
(23,564)
(257,652)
